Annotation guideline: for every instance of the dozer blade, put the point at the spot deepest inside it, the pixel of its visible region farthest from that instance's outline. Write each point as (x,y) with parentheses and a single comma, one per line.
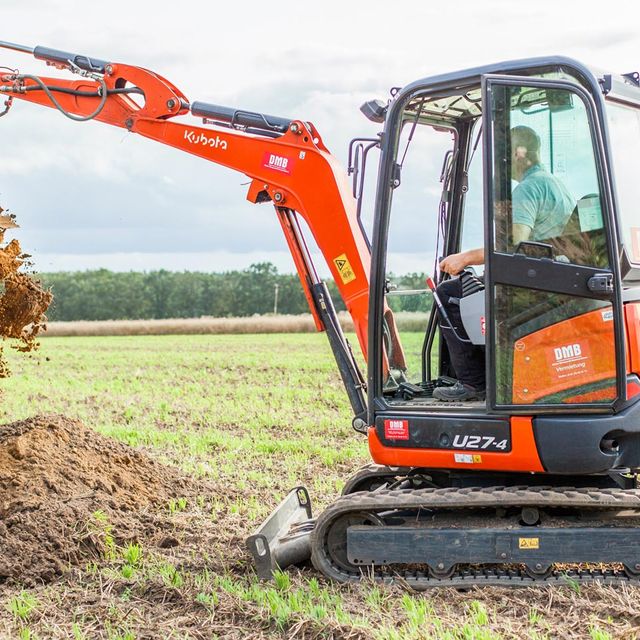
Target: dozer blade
(284,538)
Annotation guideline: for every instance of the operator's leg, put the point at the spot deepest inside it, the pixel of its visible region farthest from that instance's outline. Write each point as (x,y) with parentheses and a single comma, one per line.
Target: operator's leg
(467,359)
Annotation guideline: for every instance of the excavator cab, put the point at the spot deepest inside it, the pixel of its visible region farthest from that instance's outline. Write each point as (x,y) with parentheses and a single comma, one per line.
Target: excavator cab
(537,483)
(555,312)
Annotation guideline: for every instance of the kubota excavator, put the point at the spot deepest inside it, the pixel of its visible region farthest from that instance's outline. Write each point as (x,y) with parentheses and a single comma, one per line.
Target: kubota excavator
(537,483)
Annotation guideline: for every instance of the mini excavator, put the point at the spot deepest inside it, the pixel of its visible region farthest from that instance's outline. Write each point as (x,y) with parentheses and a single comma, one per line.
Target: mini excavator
(535,485)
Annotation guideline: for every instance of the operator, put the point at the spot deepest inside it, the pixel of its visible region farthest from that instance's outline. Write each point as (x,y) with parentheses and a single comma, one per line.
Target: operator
(541,207)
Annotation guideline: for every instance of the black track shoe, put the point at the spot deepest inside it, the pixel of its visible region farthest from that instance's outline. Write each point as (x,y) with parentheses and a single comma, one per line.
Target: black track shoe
(459,392)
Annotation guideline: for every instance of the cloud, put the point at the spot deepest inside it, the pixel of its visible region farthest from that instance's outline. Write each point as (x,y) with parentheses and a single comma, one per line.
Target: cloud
(83,189)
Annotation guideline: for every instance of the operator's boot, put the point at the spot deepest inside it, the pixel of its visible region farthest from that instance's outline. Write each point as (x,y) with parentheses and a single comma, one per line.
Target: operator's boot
(459,392)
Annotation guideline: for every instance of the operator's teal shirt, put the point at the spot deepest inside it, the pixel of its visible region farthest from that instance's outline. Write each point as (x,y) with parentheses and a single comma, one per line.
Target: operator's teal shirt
(542,203)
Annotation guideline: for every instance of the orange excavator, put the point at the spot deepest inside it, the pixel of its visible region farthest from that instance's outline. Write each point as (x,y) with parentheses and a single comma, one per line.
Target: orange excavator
(534,485)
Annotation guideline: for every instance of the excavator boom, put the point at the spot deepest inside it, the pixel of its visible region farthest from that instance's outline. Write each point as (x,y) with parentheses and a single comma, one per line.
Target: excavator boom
(286,160)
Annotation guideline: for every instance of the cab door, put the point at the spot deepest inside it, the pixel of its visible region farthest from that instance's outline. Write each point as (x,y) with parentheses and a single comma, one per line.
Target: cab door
(554,322)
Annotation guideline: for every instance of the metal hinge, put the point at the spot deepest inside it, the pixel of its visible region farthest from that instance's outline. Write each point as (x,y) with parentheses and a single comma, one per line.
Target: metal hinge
(601,283)
(396,176)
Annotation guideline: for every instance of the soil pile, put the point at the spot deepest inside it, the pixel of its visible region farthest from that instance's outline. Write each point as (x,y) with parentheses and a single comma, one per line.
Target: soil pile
(23,302)
(65,490)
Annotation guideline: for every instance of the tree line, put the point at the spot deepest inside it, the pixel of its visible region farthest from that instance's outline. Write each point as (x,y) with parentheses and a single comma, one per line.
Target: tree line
(107,295)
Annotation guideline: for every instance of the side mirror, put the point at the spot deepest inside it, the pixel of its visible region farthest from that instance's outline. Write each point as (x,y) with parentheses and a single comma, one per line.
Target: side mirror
(374,110)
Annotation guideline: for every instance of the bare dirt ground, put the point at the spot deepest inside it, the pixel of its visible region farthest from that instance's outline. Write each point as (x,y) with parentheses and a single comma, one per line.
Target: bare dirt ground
(72,500)
(145,540)
(55,476)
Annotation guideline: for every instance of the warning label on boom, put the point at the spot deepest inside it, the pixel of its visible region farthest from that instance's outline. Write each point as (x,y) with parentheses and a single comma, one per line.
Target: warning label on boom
(344,269)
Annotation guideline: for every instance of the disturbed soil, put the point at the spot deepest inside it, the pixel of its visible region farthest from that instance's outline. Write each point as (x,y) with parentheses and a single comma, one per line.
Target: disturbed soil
(69,493)
(66,490)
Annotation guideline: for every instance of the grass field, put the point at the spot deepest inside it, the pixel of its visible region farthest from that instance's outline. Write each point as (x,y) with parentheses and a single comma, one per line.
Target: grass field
(248,417)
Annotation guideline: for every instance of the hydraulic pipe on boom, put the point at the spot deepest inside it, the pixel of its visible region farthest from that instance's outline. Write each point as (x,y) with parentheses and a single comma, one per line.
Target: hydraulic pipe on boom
(286,160)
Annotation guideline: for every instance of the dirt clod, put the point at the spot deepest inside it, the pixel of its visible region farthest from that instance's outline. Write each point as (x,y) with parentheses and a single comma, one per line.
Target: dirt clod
(63,487)
(168,542)
(23,302)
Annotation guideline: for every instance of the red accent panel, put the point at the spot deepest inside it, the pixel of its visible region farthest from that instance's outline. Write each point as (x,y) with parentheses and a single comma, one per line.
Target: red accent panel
(277,162)
(632,317)
(633,389)
(522,457)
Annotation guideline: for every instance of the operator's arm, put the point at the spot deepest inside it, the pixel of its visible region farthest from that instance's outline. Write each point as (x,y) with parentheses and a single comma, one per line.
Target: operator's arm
(456,262)
(525,204)
(521,233)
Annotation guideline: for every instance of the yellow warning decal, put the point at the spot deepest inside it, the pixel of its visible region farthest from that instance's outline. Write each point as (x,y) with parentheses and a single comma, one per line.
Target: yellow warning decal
(344,269)
(467,458)
(529,543)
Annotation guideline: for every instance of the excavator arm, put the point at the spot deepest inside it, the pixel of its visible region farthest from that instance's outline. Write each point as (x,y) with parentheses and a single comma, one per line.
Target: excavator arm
(286,160)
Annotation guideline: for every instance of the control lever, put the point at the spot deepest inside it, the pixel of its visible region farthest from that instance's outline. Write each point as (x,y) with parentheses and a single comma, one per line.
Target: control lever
(443,312)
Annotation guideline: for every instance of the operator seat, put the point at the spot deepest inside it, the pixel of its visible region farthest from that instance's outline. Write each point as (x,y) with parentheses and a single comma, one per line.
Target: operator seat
(583,240)
(472,306)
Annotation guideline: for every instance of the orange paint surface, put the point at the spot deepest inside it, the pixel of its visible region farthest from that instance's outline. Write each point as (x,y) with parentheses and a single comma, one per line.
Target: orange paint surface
(295,171)
(564,356)
(522,457)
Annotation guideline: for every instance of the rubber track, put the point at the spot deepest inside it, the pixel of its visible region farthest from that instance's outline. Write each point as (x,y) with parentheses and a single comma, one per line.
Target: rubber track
(473,498)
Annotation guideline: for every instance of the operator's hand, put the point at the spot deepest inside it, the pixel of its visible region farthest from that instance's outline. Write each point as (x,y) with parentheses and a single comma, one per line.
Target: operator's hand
(454,264)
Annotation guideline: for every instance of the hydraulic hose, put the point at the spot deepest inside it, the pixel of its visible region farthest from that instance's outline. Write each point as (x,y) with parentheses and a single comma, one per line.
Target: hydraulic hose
(103,93)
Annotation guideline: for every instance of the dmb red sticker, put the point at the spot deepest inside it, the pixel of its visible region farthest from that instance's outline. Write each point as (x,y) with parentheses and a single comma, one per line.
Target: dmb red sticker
(277,162)
(396,429)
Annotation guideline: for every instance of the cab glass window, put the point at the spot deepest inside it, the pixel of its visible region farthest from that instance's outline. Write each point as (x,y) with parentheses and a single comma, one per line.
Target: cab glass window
(418,219)
(473,213)
(550,348)
(624,127)
(546,193)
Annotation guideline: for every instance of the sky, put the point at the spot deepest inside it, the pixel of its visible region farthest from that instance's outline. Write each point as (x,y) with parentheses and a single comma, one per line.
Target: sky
(89,196)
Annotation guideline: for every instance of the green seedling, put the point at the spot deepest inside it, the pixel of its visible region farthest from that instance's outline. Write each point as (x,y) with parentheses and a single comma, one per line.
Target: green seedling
(22,605)
(133,555)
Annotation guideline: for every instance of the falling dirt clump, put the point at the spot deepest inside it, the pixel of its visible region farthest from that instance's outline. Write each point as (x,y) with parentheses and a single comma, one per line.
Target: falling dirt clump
(65,489)
(23,302)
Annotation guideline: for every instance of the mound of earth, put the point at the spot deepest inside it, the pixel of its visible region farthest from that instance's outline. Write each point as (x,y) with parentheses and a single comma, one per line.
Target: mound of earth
(64,488)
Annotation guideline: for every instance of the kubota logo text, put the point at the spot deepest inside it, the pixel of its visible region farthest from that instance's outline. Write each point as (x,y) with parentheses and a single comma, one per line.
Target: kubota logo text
(205,141)
(279,163)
